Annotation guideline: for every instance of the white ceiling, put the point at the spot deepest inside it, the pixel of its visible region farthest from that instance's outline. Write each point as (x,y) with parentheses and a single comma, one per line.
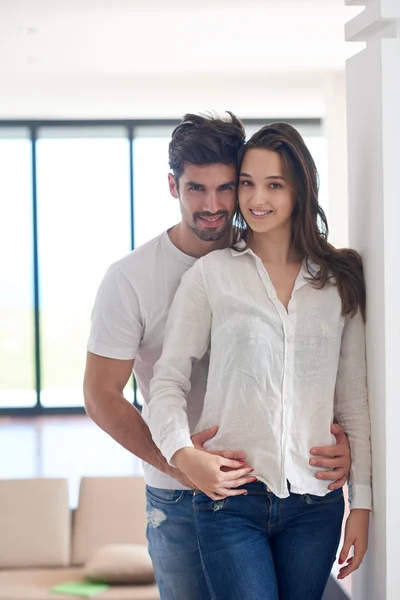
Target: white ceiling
(127,37)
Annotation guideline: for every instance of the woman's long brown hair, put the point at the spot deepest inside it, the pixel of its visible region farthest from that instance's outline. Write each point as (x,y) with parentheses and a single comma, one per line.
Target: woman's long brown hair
(342,267)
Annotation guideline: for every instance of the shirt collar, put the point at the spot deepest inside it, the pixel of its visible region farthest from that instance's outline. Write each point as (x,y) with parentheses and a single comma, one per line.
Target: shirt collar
(308,266)
(240,248)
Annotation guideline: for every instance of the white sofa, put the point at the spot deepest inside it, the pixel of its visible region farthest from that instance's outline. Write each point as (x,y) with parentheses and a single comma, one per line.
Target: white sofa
(42,543)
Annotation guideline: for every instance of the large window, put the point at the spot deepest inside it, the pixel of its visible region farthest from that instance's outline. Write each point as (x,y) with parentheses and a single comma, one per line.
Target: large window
(17,346)
(74,197)
(83,226)
(155,209)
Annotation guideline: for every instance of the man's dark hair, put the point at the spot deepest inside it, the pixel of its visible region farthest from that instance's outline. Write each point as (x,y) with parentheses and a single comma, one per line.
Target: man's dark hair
(205,140)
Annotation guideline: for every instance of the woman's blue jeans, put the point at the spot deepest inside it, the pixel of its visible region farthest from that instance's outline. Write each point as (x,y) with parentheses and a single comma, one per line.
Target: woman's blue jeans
(260,547)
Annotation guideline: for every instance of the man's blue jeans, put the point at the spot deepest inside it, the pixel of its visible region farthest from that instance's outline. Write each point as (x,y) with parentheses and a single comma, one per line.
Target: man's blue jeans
(173,547)
(260,547)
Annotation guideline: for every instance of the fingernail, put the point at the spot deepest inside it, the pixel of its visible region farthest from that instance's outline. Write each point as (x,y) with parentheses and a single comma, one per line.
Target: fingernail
(254,478)
(319,475)
(314,451)
(313,461)
(241,462)
(341,561)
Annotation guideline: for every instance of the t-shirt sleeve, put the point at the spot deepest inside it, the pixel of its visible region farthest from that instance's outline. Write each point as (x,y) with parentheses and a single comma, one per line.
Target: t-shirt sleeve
(117,323)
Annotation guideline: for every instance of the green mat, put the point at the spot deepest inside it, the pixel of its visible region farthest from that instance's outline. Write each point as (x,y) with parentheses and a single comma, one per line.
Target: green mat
(81,589)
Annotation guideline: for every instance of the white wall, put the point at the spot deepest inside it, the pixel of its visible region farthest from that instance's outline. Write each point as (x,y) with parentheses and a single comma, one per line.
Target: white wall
(141,96)
(366,234)
(373,101)
(336,135)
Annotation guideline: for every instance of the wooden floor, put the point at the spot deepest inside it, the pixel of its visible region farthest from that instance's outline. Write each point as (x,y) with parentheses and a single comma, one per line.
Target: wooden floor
(61,446)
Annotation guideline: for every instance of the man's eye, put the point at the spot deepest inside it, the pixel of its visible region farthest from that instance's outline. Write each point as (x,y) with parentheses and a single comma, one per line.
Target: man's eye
(224,188)
(195,188)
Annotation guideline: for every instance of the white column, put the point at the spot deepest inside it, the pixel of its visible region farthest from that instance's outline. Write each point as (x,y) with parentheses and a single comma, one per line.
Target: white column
(373,118)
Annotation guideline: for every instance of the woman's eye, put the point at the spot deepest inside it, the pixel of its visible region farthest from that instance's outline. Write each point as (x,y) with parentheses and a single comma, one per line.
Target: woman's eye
(245,182)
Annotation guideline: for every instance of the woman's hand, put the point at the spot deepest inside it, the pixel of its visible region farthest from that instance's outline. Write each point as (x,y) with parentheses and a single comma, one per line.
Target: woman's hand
(356,534)
(209,472)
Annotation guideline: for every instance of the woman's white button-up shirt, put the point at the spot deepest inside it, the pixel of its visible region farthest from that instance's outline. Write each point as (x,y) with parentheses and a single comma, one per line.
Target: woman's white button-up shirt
(277,377)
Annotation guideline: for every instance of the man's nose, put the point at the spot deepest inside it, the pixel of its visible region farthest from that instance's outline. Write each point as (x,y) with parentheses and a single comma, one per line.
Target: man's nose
(211,204)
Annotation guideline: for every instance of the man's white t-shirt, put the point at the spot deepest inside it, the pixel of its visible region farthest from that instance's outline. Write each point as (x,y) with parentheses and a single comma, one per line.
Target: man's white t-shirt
(129,318)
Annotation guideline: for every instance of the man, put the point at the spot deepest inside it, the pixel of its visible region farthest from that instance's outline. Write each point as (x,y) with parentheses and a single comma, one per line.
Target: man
(128,324)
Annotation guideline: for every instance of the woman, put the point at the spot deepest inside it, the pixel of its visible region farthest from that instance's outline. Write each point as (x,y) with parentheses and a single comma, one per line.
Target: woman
(283,314)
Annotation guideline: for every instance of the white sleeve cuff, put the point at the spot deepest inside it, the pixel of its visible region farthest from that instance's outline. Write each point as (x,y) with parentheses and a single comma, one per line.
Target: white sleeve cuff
(174,443)
(110,352)
(360,496)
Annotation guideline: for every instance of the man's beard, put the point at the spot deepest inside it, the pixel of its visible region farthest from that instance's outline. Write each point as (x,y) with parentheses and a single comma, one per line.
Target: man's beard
(211,234)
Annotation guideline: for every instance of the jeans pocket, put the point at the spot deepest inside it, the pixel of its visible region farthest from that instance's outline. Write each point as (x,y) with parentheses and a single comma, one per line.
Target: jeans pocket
(334,496)
(203,502)
(162,496)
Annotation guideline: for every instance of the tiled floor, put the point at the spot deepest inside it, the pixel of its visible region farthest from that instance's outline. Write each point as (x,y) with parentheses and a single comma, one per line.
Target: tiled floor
(61,446)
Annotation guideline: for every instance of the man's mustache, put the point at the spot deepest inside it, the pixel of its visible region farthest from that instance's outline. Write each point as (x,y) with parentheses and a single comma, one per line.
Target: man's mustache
(222,213)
